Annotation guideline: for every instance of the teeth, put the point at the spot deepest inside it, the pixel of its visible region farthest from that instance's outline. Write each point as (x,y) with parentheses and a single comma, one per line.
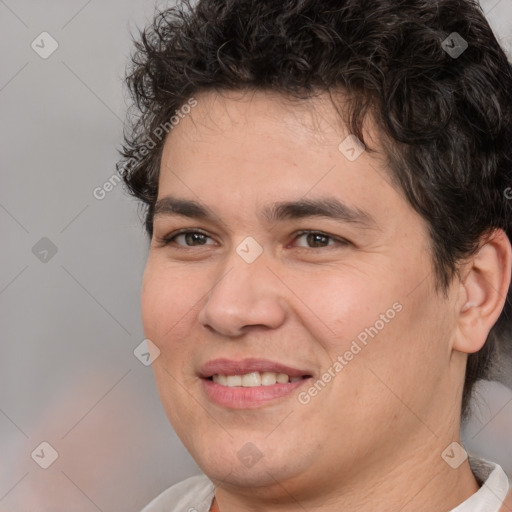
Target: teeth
(221,379)
(254,379)
(268,378)
(250,380)
(233,380)
(282,378)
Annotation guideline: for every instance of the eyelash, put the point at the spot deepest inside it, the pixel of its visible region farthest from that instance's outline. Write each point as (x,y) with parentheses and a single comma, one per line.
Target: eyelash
(167,240)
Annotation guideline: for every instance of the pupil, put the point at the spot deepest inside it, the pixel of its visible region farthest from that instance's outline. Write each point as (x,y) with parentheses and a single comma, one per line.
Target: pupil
(315,239)
(194,237)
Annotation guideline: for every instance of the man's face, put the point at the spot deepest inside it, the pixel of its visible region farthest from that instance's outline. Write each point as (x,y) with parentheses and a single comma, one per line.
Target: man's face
(348,296)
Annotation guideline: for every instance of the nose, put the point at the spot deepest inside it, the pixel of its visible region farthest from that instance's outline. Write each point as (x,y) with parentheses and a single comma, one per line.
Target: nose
(245,296)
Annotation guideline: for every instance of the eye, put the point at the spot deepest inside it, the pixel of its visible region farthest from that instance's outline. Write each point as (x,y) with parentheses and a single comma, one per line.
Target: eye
(317,239)
(188,238)
(307,239)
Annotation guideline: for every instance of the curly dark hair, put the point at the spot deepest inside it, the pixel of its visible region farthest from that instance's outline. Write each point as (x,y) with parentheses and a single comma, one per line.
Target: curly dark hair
(448,117)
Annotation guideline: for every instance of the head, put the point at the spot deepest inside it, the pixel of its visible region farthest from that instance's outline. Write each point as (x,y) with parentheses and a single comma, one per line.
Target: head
(370,169)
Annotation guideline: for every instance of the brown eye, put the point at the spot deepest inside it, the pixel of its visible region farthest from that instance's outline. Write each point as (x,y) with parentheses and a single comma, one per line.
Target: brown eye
(315,239)
(187,239)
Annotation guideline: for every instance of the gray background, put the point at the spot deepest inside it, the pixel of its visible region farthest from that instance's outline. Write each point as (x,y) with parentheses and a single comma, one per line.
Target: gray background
(71,321)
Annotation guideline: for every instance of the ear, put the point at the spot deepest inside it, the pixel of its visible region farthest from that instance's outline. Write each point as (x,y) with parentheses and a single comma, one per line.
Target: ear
(483,290)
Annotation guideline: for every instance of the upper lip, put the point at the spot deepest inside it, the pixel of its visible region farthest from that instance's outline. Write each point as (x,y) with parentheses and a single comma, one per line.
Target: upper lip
(233,367)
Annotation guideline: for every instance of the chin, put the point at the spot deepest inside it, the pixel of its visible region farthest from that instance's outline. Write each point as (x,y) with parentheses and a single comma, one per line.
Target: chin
(246,464)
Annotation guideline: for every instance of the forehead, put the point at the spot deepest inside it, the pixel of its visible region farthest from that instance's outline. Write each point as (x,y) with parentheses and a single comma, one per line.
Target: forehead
(244,149)
(315,119)
(239,131)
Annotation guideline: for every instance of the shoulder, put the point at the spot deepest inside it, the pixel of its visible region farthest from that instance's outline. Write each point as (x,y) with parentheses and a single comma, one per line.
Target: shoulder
(195,494)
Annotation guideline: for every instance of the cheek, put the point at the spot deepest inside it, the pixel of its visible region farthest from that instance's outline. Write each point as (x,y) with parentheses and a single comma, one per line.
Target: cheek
(376,323)
(342,304)
(167,297)
(155,299)
(401,365)
(167,300)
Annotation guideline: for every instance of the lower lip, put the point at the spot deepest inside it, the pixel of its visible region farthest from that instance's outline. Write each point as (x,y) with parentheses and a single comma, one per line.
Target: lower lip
(245,398)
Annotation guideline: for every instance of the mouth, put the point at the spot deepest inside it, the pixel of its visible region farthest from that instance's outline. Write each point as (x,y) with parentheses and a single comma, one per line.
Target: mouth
(250,383)
(254,379)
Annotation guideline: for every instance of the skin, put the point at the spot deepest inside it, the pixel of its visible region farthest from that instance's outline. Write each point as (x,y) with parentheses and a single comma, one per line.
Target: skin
(372,439)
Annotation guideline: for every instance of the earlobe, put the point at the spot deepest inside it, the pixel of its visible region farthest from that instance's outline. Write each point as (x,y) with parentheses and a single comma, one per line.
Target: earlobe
(484,291)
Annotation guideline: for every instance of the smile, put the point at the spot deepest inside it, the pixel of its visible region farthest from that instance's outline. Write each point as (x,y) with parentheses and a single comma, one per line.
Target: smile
(254,379)
(249,383)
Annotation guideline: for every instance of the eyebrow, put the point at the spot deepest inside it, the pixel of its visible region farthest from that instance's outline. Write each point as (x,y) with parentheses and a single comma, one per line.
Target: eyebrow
(324,207)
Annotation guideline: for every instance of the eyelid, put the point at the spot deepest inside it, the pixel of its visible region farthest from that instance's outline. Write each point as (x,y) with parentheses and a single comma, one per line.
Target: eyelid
(339,240)
(168,239)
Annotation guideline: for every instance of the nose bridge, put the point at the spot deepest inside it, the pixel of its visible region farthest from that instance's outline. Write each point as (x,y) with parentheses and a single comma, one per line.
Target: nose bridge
(245,293)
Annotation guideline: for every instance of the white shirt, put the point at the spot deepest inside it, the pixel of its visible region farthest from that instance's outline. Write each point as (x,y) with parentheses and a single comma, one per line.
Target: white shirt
(196,494)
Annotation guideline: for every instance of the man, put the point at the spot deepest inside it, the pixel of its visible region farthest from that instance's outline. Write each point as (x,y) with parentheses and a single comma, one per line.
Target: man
(330,256)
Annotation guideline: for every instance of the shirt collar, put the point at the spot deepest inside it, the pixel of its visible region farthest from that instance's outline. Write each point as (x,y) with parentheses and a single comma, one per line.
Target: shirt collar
(492,493)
